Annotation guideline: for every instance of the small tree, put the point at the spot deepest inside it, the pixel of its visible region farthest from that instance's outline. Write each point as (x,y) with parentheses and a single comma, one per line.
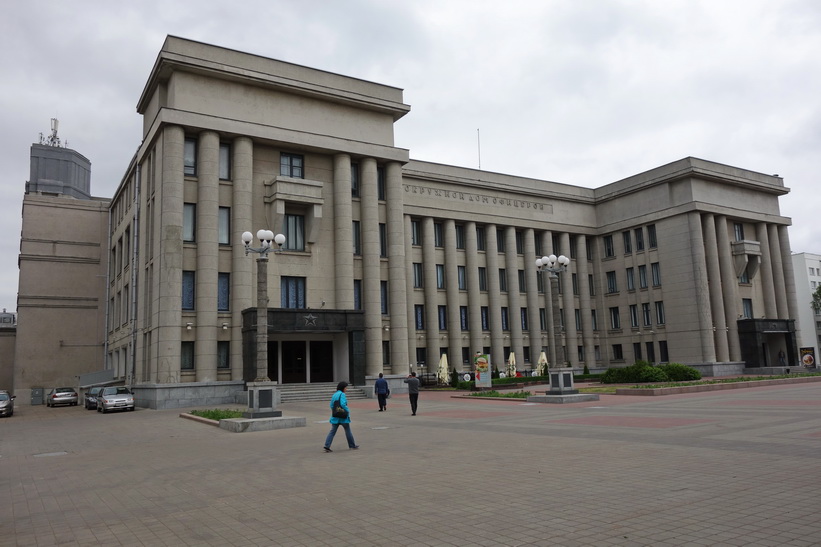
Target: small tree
(815,303)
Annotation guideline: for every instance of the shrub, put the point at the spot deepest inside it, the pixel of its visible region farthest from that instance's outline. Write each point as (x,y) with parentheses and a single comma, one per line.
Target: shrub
(586,370)
(640,371)
(680,373)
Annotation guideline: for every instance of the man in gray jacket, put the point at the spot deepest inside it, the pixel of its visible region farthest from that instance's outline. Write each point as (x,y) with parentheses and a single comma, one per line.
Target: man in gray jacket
(413,391)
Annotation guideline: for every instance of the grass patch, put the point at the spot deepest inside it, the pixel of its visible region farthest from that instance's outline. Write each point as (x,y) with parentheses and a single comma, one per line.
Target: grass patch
(606,389)
(726,380)
(511,395)
(218,414)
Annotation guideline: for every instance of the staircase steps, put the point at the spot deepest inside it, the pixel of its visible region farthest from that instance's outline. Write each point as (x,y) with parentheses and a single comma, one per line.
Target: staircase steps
(316,392)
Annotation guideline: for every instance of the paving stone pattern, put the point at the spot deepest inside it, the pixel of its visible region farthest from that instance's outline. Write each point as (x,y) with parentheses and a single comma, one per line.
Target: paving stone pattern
(723,468)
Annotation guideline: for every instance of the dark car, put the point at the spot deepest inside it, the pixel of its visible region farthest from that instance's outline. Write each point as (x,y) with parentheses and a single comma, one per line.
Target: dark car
(115,398)
(62,396)
(6,403)
(90,398)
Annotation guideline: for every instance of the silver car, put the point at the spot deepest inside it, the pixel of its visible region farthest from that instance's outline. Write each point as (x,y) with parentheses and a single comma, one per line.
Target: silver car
(62,396)
(6,403)
(115,398)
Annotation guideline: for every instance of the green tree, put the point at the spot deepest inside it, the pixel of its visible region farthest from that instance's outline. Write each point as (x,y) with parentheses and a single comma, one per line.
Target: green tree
(816,299)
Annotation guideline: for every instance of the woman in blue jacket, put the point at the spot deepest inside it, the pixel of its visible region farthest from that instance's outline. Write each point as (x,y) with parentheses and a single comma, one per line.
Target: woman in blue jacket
(344,422)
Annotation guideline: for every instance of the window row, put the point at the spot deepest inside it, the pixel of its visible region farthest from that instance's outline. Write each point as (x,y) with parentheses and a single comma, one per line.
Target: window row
(650,355)
(632,240)
(188,361)
(644,318)
(630,276)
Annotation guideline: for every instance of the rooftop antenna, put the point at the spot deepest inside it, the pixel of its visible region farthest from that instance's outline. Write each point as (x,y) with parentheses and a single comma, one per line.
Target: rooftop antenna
(53,139)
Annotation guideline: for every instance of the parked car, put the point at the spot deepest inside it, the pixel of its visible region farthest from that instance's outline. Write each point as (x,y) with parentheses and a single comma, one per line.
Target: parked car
(62,396)
(6,403)
(115,398)
(90,398)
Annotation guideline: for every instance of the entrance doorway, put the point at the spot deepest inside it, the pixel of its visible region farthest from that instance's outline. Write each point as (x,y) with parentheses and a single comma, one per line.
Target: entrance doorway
(322,361)
(294,369)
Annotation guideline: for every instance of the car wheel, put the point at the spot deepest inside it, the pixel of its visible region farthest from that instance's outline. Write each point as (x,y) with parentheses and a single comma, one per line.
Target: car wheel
(99,408)
(103,410)
(131,409)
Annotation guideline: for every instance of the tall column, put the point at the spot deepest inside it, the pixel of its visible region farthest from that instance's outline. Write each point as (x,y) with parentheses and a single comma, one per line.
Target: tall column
(583,273)
(474,295)
(513,295)
(412,332)
(343,233)
(714,283)
(371,266)
(532,289)
(431,292)
(242,167)
(169,259)
(569,301)
(702,289)
(494,298)
(551,307)
(729,284)
(789,275)
(779,280)
(397,268)
(205,346)
(766,271)
(453,295)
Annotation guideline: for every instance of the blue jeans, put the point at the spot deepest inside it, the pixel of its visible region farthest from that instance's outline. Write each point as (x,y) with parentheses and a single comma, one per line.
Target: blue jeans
(348,435)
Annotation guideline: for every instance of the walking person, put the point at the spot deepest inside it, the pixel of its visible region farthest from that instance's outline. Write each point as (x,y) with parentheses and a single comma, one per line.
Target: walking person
(342,417)
(413,391)
(382,391)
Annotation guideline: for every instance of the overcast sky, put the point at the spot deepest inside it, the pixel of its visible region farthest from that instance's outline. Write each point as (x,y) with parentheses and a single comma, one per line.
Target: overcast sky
(582,92)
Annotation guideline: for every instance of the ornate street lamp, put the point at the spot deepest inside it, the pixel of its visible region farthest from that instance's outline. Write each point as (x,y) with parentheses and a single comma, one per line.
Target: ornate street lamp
(267,239)
(552,266)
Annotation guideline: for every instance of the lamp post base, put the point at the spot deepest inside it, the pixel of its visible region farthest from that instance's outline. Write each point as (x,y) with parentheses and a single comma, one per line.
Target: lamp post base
(263,399)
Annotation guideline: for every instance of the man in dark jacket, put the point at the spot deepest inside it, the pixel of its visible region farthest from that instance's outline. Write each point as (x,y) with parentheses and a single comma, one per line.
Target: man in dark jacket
(382,391)
(413,391)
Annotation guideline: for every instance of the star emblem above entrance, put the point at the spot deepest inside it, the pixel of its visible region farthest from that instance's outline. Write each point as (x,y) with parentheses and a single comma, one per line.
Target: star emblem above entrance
(310,320)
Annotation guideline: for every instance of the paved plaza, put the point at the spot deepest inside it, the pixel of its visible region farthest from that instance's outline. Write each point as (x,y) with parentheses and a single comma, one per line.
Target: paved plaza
(740,467)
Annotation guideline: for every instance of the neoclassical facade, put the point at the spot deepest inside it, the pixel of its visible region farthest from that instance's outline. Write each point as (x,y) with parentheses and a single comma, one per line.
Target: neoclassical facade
(390,262)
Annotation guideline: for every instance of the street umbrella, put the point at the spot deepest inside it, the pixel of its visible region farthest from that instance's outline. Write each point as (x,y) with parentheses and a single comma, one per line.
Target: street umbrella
(443,374)
(511,365)
(542,364)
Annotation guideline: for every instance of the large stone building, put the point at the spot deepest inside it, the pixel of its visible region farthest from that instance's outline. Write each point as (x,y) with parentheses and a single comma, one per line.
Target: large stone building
(807,267)
(390,262)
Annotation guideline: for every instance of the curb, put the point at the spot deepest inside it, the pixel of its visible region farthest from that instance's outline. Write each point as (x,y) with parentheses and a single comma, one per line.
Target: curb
(713,387)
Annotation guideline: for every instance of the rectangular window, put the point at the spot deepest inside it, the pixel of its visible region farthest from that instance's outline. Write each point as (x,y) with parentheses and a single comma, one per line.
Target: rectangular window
(655,271)
(738,231)
(522,282)
(386,353)
(643,276)
(443,317)
(294,232)
(615,321)
(225,161)
(223,355)
(380,183)
(745,277)
(480,238)
(645,314)
(575,282)
(357,294)
(628,245)
(505,319)
(608,246)
(664,357)
(383,293)
(187,356)
(634,315)
(540,281)
(482,278)
(463,317)
(189,222)
(356,235)
(578,317)
(419,316)
(190,158)
(462,278)
(651,353)
(637,351)
(502,280)
(617,353)
(418,275)
(355,180)
(440,276)
(639,239)
(590,285)
(438,235)
(588,242)
(651,236)
(659,313)
(631,280)
(223,291)
(500,240)
(292,291)
(612,286)
(485,318)
(383,240)
(415,232)
(523,314)
(290,165)
(595,319)
(542,319)
(520,243)
(224,227)
(188,284)
(460,236)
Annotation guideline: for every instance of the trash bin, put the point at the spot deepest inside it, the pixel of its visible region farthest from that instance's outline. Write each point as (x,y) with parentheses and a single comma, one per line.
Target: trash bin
(36,396)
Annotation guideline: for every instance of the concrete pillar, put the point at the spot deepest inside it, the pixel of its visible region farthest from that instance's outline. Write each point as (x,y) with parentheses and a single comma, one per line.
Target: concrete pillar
(779,279)
(702,288)
(766,271)
(474,295)
(729,284)
(397,268)
(714,282)
(371,267)
(494,298)
(514,300)
(454,296)
(343,233)
(534,339)
(583,276)
(412,332)
(205,347)
(431,294)
(242,197)
(789,274)
(569,305)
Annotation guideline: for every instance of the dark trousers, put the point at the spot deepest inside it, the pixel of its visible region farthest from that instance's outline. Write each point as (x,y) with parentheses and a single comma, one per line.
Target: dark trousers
(414,398)
(383,400)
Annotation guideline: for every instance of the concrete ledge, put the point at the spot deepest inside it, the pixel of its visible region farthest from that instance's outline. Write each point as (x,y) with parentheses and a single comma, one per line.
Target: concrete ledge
(713,387)
(200,419)
(560,399)
(244,425)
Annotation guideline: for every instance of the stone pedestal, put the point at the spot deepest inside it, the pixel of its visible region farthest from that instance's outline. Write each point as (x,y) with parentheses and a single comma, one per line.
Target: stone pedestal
(263,399)
(561,382)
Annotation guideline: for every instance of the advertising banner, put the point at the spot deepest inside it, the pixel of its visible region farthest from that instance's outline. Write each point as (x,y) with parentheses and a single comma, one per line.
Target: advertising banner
(807,357)
(482,363)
